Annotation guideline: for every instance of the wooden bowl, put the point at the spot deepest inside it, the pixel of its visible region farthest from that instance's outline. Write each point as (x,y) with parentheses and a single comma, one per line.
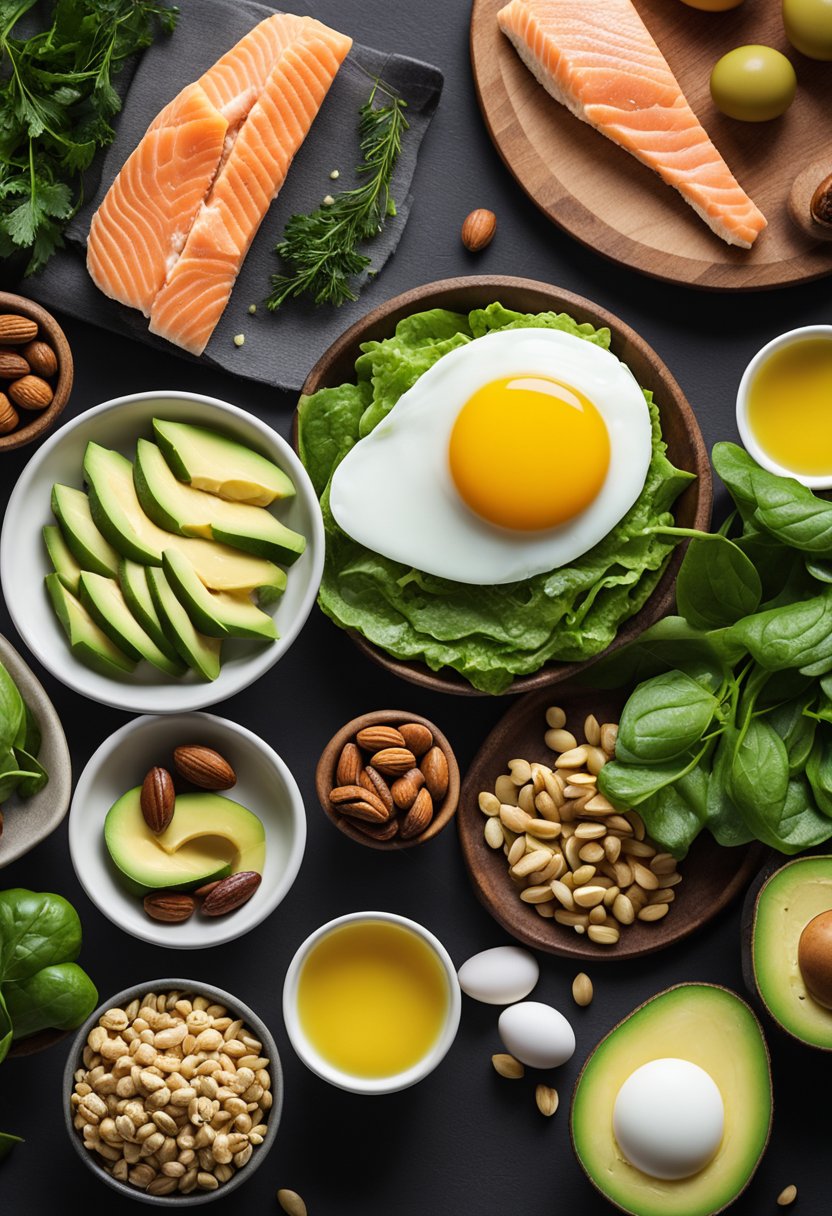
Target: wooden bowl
(48,328)
(685,446)
(712,876)
(325,778)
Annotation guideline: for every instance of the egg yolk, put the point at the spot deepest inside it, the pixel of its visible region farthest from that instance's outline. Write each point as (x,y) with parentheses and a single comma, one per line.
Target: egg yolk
(529,452)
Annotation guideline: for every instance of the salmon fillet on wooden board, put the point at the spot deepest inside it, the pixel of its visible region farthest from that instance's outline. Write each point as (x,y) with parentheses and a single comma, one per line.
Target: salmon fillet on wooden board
(175,226)
(598,59)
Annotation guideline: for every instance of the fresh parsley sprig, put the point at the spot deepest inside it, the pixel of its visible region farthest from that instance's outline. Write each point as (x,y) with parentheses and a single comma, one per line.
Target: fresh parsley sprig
(321,249)
(56,103)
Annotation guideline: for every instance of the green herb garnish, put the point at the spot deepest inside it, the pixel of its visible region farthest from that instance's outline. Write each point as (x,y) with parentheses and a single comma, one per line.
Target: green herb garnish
(56,102)
(321,249)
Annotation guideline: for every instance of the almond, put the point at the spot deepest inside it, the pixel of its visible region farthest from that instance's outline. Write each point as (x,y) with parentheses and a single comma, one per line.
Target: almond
(201,892)
(231,893)
(417,737)
(418,817)
(349,766)
(169,906)
(375,783)
(157,799)
(435,768)
(394,761)
(30,393)
(204,767)
(356,801)
(14,328)
(41,357)
(9,417)
(374,738)
(478,229)
(379,831)
(12,365)
(405,789)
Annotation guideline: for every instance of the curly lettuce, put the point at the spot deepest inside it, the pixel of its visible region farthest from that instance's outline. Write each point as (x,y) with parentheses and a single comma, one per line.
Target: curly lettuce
(489,635)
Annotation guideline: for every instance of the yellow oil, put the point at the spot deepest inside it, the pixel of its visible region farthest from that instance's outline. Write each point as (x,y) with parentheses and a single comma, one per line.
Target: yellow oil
(372,998)
(790,406)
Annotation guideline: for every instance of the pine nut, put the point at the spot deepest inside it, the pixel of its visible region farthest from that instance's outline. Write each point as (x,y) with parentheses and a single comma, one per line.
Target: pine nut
(488,803)
(654,912)
(665,895)
(582,875)
(787,1196)
(623,910)
(545,910)
(612,847)
(493,833)
(545,805)
(638,825)
(544,829)
(597,915)
(507,1066)
(603,935)
(609,735)
(573,758)
(560,740)
(582,990)
(563,895)
(525,799)
(595,760)
(645,878)
(591,853)
(517,850)
(575,919)
(588,897)
(590,831)
(505,790)
(555,717)
(537,895)
(546,1099)
(520,771)
(514,818)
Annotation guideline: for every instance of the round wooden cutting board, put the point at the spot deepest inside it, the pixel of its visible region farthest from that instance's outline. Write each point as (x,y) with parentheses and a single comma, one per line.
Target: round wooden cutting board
(605,198)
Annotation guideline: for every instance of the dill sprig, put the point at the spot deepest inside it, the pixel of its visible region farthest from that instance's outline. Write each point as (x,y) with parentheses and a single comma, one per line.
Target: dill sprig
(321,249)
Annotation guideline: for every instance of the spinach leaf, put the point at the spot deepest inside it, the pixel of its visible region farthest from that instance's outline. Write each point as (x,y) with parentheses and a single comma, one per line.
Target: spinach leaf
(7,1143)
(773,561)
(32,735)
(628,785)
(802,826)
(60,995)
(723,819)
(664,718)
(796,729)
(797,518)
(819,771)
(668,644)
(6,1031)
(37,778)
(821,572)
(717,584)
(793,636)
(758,778)
(12,710)
(12,776)
(36,930)
(671,822)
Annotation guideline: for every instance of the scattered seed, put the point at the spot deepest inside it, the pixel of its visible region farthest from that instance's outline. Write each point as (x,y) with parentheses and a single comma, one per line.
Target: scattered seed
(507,1066)
(252,308)
(546,1099)
(335,174)
(493,833)
(327,200)
(239,339)
(592,730)
(582,991)
(555,717)
(787,1196)
(291,1203)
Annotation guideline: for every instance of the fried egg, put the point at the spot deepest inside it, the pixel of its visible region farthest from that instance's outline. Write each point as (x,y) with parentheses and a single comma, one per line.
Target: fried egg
(511,456)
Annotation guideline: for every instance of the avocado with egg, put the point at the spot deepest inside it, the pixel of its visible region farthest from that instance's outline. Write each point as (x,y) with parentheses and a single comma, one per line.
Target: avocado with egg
(105,602)
(218,614)
(62,558)
(119,515)
(209,837)
(199,651)
(181,509)
(87,640)
(788,959)
(91,550)
(703,1025)
(210,461)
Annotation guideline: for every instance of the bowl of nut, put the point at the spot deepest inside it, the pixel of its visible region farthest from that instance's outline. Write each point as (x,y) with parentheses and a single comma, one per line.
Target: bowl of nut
(172,1092)
(35,370)
(388,779)
(186,830)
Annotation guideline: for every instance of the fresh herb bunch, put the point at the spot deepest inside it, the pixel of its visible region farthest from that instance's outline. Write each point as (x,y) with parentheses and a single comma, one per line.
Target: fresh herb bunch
(56,103)
(321,249)
(732,728)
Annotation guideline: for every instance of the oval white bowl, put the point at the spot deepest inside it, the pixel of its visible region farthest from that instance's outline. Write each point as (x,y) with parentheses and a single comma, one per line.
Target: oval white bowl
(24,562)
(264,785)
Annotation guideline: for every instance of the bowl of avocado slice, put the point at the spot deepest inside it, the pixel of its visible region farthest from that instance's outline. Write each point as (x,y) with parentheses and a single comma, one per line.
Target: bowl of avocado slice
(161,551)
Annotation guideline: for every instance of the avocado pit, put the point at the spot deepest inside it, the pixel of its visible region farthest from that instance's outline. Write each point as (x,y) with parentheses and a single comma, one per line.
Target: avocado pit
(814,958)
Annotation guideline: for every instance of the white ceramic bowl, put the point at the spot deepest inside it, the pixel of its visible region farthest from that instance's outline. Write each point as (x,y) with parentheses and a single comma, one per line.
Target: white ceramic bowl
(24,562)
(264,785)
(747,435)
(370,1085)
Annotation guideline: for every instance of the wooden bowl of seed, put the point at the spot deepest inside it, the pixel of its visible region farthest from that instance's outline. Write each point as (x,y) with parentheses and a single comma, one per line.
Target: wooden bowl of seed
(36,371)
(552,860)
(388,779)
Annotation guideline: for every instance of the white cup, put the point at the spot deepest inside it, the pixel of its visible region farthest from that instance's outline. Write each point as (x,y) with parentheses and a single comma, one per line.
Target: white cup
(344,1080)
(814,482)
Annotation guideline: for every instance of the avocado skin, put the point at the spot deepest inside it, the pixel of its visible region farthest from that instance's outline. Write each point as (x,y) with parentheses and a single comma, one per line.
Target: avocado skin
(88,544)
(141,610)
(199,652)
(109,661)
(62,558)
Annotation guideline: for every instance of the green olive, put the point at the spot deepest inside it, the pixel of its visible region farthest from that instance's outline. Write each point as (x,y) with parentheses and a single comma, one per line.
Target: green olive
(753,83)
(809,26)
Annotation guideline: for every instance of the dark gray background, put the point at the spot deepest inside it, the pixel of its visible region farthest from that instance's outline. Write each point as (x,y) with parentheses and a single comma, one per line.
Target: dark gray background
(464,1141)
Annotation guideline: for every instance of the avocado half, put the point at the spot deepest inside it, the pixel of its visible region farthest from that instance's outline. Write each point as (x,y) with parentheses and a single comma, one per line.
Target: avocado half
(777,910)
(712,1027)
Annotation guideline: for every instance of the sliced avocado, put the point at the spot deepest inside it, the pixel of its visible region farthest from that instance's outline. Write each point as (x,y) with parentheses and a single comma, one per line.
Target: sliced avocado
(199,652)
(206,840)
(185,511)
(118,513)
(711,1027)
(792,897)
(210,461)
(88,642)
(73,512)
(62,557)
(217,613)
(132,579)
(104,601)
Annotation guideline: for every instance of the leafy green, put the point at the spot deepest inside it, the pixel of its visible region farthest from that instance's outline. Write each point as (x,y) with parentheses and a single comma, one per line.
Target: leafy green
(321,250)
(56,105)
(754,636)
(488,634)
(20,770)
(7,1143)
(53,996)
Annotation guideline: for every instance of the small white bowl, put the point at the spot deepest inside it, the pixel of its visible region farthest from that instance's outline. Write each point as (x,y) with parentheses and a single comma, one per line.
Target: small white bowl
(819,482)
(264,785)
(370,1085)
(24,562)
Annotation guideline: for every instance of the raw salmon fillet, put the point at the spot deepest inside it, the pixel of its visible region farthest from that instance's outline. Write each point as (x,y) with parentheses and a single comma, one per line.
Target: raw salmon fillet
(173,230)
(598,59)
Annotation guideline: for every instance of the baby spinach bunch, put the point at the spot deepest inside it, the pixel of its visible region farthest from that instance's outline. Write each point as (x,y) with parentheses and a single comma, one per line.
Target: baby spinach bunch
(20,770)
(730,728)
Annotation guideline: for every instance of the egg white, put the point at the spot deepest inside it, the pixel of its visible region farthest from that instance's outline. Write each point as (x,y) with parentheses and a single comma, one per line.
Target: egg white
(393,492)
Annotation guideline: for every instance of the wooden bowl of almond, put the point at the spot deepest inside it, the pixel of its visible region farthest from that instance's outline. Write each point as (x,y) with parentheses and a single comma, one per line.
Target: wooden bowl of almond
(35,371)
(388,779)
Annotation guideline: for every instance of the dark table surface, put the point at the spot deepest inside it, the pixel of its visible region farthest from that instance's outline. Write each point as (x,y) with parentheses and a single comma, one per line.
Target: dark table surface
(464,1141)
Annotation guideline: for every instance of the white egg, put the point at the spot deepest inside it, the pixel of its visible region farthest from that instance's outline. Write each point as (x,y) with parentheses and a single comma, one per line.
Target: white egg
(669,1118)
(399,492)
(537,1034)
(499,976)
